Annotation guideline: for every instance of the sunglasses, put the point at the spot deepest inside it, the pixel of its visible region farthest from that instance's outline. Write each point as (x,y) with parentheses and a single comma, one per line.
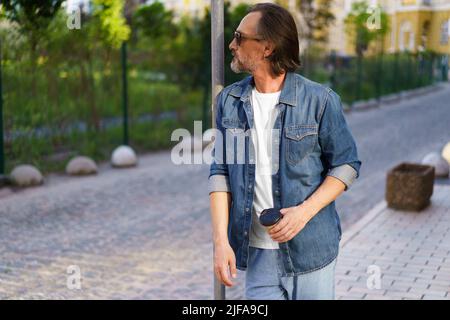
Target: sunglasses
(239,36)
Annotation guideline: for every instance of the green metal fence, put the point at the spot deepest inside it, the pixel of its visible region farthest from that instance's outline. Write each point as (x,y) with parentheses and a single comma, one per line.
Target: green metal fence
(54,110)
(357,79)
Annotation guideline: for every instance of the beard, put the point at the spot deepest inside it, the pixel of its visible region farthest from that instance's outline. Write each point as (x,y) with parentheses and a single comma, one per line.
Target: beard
(238,66)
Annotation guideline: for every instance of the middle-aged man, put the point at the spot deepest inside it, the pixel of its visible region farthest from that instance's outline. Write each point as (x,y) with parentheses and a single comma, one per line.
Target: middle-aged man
(298,158)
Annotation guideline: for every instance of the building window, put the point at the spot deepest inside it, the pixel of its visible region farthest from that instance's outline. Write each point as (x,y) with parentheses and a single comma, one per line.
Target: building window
(406,39)
(444,33)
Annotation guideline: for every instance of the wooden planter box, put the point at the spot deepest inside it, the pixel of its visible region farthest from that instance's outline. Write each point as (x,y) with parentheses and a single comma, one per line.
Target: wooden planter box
(409,186)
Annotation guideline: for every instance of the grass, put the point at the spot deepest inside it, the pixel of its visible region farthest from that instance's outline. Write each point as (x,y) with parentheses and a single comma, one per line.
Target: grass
(58,97)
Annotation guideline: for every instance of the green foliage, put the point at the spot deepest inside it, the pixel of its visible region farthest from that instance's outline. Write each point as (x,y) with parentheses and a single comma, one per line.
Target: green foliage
(232,20)
(318,16)
(365,24)
(154,21)
(62,94)
(111,20)
(30,15)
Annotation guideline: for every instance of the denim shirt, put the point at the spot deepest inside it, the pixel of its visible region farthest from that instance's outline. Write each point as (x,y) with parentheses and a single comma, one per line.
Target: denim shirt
(310,140)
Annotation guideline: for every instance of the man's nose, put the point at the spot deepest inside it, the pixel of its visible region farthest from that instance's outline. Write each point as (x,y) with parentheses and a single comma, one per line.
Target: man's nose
(232,45)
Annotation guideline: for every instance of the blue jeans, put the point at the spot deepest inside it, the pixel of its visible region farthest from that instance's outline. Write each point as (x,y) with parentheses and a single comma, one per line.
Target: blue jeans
(263,280)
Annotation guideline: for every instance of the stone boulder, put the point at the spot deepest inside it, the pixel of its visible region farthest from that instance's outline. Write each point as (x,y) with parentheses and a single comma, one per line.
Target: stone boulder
(441,166)
(26,175)
(446,152)
(81,165)
(123,156)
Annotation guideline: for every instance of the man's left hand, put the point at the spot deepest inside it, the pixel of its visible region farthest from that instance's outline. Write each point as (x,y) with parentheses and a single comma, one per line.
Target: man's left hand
(294,220)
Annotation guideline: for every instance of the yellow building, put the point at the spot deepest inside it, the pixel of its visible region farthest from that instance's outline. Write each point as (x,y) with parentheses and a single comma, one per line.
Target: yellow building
(420,24)
(415,25)
(197,7)
(185,7)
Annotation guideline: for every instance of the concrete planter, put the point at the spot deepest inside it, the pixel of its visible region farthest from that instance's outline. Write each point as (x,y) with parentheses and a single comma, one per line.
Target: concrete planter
(409,186)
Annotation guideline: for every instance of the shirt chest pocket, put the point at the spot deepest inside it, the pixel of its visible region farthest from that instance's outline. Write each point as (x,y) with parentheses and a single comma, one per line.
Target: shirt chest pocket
(233,125)
(234,140)
(300,141)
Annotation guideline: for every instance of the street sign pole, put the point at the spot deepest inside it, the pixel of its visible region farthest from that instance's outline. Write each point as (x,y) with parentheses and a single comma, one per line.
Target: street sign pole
(217,82)
(2,151)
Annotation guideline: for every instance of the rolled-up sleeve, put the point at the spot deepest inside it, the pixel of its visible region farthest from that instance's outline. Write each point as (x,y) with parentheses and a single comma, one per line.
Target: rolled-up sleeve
(339,152)
(218,182)
(218,179)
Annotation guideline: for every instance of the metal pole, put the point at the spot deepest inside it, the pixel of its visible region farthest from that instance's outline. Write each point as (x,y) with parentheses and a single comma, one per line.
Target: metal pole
(410,72)
(395,75)
(124,92)
(217,83)
(2,153)
(358,76)
(379,88)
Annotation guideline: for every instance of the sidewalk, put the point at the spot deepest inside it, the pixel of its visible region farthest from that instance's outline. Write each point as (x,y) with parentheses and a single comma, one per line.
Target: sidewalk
(132,240)
(411,250)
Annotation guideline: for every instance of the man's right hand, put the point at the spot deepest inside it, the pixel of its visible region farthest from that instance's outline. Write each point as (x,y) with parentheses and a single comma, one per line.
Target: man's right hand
(224,263)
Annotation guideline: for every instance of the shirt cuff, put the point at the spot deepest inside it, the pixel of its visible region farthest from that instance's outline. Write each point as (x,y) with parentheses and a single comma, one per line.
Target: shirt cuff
(346,173)
(218,182)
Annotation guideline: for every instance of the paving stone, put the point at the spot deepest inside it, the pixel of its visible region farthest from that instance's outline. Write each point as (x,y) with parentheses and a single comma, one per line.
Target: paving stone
(151,238)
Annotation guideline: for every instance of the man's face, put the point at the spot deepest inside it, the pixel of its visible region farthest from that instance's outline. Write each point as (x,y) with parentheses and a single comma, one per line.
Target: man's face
(250,53)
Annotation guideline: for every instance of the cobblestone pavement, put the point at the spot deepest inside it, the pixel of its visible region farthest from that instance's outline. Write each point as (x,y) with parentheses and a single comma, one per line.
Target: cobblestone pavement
(388,135)
(144,233)
(409,250)
(138,233)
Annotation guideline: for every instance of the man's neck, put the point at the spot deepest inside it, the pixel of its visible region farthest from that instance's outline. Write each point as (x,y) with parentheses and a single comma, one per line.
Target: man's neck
(267,83)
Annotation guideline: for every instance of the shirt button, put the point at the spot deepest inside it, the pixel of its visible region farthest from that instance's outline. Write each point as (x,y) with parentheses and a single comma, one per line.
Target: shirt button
(250,187)
(245,233)
(277,192)
(247,209)
(298,136)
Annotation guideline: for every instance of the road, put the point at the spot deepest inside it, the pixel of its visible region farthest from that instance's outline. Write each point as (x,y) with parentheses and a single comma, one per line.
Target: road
(144,233)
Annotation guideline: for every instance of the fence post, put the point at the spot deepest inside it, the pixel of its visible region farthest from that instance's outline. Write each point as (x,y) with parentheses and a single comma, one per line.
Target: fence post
(358,77)
(2,151)
(430,69)
(123,52)
(395,74)
(444,67)
(410,73)
(217,83)
(379,89)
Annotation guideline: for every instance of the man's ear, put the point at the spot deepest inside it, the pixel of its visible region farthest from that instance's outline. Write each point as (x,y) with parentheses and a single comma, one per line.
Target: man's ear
(268,49)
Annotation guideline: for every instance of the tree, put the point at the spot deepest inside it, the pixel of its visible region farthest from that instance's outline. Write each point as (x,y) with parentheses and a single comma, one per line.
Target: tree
(112,22)
(317,16)
(366,24)
(313,18)
(32,19)
(154,20)
(31,15)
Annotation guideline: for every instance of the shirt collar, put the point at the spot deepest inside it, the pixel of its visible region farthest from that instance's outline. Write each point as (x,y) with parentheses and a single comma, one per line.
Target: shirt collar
(288,93)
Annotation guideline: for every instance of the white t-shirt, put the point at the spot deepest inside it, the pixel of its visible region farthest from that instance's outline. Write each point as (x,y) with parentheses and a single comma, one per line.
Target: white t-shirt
(264,114)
